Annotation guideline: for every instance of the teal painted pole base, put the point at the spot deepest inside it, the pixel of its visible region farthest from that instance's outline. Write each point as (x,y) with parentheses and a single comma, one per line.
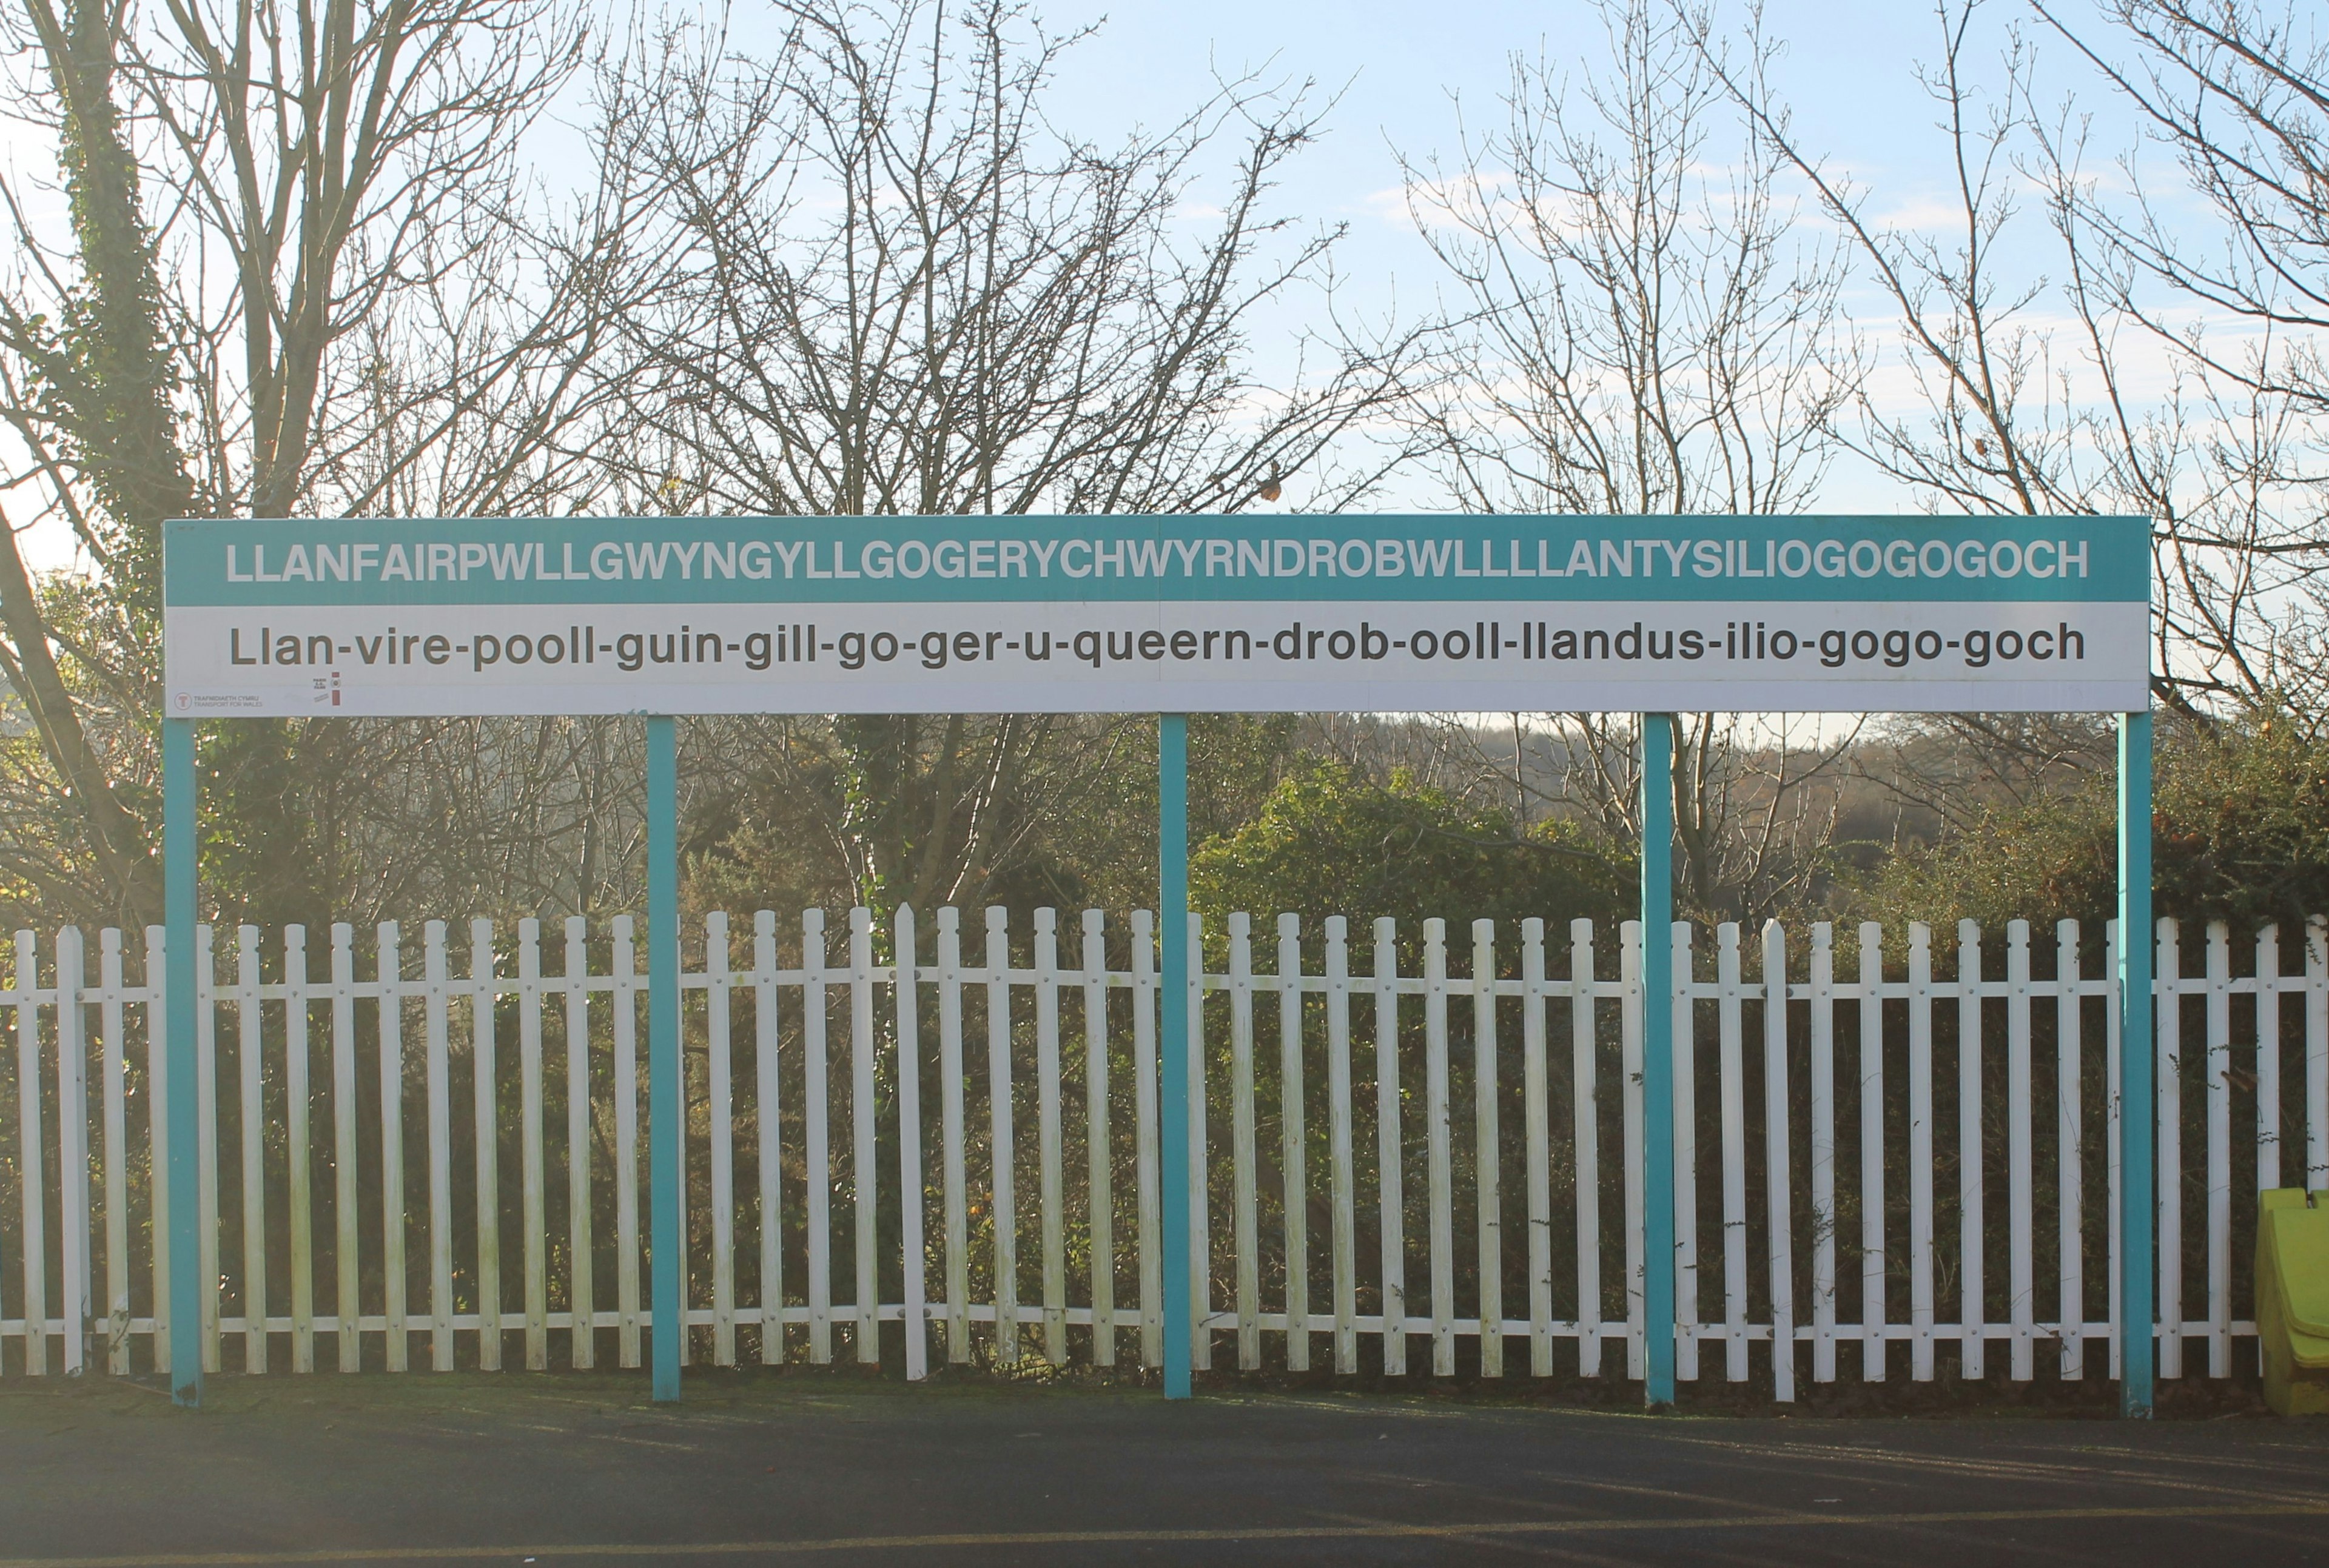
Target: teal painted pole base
(1173,1041)
(664,1101)
(1657,1062)
(2137,1075)
(181,825)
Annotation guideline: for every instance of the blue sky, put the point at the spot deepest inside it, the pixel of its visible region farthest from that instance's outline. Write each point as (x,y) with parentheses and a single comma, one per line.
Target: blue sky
(1847,69)
(1848,72)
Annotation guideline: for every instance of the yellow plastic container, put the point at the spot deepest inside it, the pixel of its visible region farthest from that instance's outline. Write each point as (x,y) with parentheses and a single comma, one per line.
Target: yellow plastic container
(2292,1300)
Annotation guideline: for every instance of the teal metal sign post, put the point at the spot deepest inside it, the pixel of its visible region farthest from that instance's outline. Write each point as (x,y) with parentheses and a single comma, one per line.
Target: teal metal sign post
(181,1107)
(1173,1161)
(665,617)
(1657,1062)
(2137,1085)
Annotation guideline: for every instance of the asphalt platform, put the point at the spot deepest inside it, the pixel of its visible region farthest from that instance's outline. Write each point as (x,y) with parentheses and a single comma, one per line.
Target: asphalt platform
(581,1468)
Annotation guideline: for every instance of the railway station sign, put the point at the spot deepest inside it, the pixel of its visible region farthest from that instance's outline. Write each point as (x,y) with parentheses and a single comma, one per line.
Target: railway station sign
(1145,614)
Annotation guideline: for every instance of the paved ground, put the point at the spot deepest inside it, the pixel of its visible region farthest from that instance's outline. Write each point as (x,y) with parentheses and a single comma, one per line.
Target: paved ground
(580,1469)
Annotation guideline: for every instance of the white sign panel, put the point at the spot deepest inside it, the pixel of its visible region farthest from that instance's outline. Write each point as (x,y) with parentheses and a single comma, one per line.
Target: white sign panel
(1198,614)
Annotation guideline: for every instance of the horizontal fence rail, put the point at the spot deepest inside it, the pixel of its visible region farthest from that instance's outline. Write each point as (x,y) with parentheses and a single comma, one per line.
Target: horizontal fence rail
(1409,1155)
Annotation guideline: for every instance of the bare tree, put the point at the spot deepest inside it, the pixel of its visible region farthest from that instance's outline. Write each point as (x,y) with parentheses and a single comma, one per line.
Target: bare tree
(2015,419)
(2239,94)
(87,381)
(305,273)
(884,282)
(1640,335)
(383,289)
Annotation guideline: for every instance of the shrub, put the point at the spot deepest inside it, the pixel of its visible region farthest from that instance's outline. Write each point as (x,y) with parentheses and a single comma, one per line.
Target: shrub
(1331,840)
(2241,833)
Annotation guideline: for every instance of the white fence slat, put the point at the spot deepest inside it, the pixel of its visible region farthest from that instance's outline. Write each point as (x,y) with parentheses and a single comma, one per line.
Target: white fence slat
(1920,1151)
(32,1158)
(1488,1147)
(87,1326)
(113,1068)
(2070,1144)
(1391,1196)
(1244,1191)
(72,1146)
(1200,1235)
(1100,1168)
(1585,1151)
(1971,1344)
(158,1135)
(683,1198)
(348,1306)
(1051,1180)
(581,1234)
(1341,1180)
(1438,1137)
(1536,1139)
(1873,1339)
(1631,1008)
(720,1085)
(533,1206)
(865,1165)
(207,1129)
(440,1155)
(2268,1059)
(249,1073)
(1779,1180)
(1733,1110)
(626,987)
(2219,1149)
(685,1195)
(1003,1169)
(2316,1054)
(1293,1143)
(300,1193)
(952,1134)
(907,997)
(1685,1138)
(1821,991)
(816,1107)
(2021,1197)
(484,1090)
(1148,1194)
(768,1125)
(2168,1156)
(396,1284)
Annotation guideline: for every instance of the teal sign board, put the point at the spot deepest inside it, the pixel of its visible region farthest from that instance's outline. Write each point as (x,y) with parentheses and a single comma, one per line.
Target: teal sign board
(1145,614)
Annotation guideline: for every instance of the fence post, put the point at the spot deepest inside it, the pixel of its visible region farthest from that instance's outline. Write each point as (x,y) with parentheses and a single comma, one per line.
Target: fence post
(1657,1060)
(179,803)
(664,1107)
(2137,1086)
(1173,1056)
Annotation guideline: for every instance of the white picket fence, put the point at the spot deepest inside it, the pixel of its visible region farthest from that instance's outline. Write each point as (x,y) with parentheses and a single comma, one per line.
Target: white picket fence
(369,1206)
